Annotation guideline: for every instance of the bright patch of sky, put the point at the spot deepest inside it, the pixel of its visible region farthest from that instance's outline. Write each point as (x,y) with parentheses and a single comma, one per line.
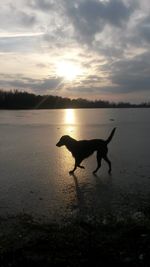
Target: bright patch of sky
(76,48)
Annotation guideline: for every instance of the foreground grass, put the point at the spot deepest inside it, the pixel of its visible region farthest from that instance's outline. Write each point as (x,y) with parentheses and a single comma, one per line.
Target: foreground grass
(24,242)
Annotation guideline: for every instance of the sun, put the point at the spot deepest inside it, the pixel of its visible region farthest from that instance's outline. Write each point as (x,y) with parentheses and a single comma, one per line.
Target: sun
(68,70)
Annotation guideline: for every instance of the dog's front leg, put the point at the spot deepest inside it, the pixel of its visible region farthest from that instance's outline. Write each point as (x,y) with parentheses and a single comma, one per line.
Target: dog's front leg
(72,171)
(77,164)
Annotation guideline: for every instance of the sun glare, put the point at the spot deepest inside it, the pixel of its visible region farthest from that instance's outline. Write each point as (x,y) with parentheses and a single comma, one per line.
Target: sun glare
(69,116)
(68,70)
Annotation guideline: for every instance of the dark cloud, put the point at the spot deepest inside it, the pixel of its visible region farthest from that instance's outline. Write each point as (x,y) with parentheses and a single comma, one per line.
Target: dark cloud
(89,17)
(144,29)
(36,85)
(132,75)
(125,76)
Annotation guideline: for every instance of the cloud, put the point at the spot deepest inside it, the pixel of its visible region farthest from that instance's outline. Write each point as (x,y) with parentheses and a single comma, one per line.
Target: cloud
(15,17)
(15,42)
(36,85)
(144,29)
(132,75)
(90,17)
(109,39)
(44,5)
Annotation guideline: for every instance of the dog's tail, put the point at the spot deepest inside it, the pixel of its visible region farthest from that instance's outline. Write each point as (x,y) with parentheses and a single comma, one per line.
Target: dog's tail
(111,136)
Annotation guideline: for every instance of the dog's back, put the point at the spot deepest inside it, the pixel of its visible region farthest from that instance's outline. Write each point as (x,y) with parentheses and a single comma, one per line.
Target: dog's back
(88,147)
(85,148)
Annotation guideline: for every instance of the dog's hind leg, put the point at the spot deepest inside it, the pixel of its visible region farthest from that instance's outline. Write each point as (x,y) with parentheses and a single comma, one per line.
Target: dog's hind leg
(108,161)
(99,159)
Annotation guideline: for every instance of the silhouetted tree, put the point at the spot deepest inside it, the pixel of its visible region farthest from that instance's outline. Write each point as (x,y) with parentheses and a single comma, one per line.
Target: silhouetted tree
(23,100)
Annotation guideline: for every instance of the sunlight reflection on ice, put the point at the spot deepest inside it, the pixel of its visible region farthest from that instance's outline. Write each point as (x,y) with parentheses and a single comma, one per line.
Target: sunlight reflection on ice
(70,120)
(70,117)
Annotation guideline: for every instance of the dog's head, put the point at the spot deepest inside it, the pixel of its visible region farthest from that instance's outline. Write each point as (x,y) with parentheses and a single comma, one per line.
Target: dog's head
(63,140)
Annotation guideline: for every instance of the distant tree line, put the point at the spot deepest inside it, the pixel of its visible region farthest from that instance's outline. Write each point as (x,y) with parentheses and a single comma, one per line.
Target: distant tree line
(24,100)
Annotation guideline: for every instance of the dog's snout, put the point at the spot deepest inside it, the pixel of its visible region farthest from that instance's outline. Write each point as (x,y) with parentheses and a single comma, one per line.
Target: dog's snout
(59,143)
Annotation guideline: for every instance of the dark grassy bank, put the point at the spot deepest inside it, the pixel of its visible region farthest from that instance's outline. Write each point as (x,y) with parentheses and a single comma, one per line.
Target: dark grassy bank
(25,242)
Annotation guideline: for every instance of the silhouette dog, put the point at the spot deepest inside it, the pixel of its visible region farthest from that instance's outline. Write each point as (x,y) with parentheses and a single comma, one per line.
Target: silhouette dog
(82,149)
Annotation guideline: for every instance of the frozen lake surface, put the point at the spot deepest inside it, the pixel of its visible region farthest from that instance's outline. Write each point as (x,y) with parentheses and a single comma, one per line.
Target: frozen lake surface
(34,174)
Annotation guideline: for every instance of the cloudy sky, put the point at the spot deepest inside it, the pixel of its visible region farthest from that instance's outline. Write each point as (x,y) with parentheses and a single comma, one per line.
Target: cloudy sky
(96,49)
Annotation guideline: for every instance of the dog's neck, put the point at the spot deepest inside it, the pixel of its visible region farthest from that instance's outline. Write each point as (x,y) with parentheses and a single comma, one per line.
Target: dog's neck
(71,144)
